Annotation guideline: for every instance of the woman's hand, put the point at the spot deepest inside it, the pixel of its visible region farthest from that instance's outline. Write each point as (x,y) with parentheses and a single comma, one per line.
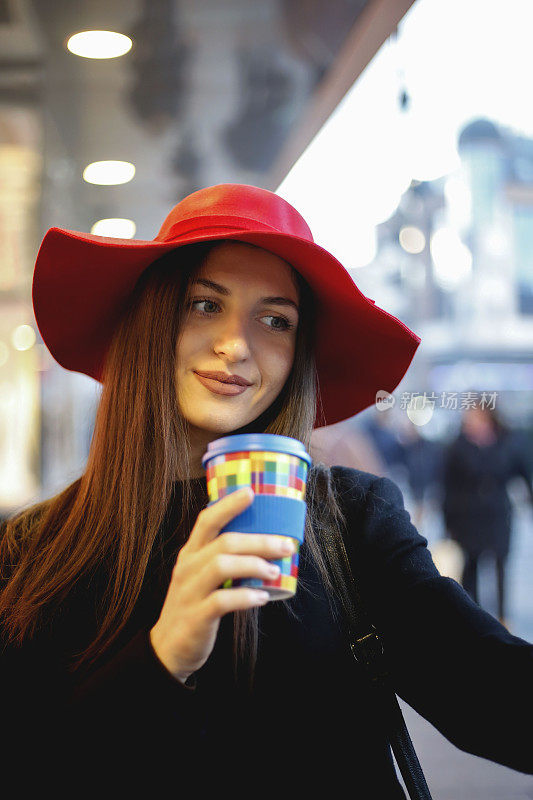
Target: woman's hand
(184,635)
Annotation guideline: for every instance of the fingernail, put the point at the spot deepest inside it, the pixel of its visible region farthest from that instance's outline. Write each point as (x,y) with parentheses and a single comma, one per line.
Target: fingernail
(288,546)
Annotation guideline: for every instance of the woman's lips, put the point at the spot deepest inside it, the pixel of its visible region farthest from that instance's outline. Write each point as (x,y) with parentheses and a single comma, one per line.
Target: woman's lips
(218,387)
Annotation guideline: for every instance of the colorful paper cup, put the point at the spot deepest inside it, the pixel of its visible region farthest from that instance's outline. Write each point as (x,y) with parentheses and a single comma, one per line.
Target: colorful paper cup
(276,469)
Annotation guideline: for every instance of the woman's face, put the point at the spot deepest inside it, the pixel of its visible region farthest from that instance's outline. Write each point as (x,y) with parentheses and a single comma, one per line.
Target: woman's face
(242,321)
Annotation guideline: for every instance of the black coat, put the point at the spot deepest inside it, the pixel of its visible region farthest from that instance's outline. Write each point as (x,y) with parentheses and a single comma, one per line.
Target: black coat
(310,724)
(476,507)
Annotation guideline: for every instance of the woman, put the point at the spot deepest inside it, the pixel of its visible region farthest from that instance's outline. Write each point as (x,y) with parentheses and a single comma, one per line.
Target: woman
(117,630)
(478,465)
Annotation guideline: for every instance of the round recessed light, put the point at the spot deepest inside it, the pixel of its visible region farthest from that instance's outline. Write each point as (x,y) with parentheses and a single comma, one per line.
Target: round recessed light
(114,227)
(99,44)
(109,173)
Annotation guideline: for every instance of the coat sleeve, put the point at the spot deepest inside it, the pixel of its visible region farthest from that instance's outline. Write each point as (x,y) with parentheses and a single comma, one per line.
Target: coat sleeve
(453,662)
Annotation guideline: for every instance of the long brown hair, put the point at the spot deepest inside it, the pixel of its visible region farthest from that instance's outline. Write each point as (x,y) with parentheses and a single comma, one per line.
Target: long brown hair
(113,512)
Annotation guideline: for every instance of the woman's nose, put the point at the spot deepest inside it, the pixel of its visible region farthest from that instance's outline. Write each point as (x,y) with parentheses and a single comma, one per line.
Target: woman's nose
(232,341)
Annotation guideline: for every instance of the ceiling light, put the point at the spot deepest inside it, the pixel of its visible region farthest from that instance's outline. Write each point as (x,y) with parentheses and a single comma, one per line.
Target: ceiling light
(99,44)
(114,227)
(108,173)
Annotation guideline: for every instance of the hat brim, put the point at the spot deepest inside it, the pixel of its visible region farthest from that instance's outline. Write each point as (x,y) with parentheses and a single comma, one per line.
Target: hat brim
(82,284)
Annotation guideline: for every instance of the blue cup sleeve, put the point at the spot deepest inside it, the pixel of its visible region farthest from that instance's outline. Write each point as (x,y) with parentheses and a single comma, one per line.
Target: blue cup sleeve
(283,516)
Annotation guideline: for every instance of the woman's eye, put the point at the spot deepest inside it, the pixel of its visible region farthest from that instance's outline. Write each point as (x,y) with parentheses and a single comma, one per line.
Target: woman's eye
(209,306)
(279,323)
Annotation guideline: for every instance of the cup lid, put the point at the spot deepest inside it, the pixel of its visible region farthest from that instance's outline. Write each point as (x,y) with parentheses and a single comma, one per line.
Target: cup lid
(270,442)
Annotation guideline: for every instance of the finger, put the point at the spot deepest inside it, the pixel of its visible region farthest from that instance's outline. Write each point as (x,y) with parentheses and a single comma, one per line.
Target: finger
(223,567)
(224,601)
(213,518)
(267,545)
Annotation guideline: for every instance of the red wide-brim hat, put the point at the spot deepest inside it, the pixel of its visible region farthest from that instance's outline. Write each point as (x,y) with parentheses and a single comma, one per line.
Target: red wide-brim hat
(82,283)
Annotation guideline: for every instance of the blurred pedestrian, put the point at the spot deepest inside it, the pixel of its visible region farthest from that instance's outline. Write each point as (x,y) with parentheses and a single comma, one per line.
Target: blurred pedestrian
(423,462)
(379,428)
(477,510)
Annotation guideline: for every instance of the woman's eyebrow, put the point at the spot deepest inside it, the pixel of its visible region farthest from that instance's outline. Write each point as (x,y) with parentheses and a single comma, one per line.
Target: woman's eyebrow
(217,287)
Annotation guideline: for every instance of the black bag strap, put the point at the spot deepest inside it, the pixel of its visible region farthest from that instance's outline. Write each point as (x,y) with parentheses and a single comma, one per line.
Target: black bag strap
(366,646)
